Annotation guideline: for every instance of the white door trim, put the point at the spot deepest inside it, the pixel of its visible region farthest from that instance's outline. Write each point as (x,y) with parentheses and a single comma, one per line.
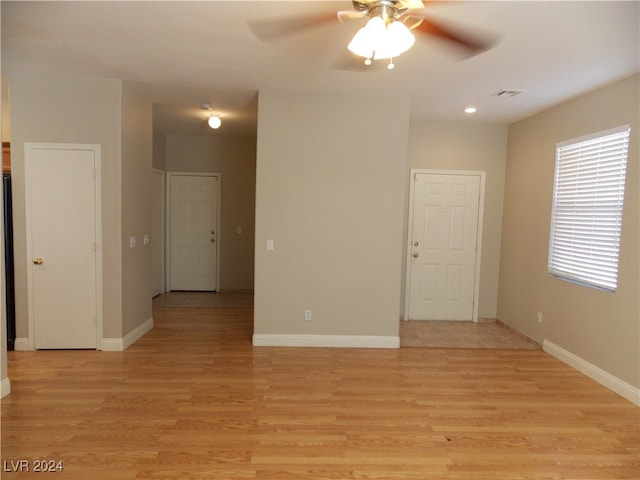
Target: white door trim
(167,211)
(29,147)
(476,290)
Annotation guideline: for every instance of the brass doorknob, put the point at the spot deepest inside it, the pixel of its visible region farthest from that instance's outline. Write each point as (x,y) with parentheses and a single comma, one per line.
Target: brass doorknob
(38,261)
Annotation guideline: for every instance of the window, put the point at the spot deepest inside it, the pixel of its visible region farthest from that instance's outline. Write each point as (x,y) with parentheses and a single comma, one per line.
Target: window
(586,218)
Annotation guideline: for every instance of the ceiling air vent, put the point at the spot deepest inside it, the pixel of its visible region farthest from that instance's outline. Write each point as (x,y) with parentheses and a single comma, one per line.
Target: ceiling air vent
(507,93)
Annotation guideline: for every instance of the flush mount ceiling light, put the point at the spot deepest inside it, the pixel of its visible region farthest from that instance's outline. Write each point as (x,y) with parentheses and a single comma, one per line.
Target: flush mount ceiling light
(470,109)
(213,120)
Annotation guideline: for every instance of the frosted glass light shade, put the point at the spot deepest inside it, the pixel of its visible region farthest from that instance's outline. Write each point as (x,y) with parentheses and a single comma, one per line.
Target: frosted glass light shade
(398,39)
(366,41)
(214,121)
(377,40)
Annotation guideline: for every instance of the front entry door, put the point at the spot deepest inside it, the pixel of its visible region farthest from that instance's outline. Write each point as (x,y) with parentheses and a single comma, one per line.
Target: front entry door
(194,232)
(62,225)
(443,246)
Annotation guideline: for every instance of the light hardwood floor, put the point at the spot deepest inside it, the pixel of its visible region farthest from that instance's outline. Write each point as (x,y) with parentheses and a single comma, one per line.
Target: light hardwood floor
(193,400)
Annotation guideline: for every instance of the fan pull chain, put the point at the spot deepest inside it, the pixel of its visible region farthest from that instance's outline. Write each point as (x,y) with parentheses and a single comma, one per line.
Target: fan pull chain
(391,66)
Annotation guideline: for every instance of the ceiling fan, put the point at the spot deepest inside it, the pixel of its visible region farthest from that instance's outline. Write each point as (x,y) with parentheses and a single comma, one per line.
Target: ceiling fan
(388,32)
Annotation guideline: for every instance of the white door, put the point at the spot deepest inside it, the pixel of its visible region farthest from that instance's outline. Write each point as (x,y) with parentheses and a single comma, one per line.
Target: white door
(443,246)
(193,235)
(157,233)
(62,229)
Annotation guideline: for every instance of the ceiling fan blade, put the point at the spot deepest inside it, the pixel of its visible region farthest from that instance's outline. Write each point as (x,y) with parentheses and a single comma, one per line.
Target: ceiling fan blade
(415,4)
(274,29)
(346,15)
(471,43)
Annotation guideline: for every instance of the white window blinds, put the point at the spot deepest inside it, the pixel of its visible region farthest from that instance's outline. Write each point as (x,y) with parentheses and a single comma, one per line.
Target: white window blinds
(586,218)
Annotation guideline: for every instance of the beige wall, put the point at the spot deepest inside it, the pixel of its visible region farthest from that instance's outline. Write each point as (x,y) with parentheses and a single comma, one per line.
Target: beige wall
(469,146)
(66,109)
(137,138)
(234,157)
(159,150)
(331,192)
(601,328)
(6,125)
(117,116)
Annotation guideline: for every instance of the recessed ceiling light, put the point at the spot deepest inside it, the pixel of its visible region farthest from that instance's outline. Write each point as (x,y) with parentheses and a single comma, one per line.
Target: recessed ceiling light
(470,109)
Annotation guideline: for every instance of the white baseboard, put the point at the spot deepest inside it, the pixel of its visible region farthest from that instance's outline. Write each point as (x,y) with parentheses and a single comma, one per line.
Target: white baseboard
(137,333)
(112,345)
(120,344)
(5,387)
(21,345)
(342,341)
(605,379)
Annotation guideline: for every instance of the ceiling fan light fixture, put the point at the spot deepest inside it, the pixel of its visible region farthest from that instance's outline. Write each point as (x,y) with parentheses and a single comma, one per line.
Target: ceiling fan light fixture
(378,40)
(398,39)
(366,40)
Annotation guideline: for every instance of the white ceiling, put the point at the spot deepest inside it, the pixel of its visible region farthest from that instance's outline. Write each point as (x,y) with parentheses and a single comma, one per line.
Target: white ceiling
(188,53)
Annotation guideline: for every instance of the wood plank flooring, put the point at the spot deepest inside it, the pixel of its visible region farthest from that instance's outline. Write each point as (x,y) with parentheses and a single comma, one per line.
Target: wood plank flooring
(193,399)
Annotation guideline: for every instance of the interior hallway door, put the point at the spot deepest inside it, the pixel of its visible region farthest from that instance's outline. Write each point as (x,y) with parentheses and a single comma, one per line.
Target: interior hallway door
(62,188)
(443,246)
(193,232)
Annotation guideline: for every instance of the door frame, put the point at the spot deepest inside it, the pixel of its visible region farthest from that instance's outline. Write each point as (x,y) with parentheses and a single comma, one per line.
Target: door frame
(29,147)
(476,289)
(169,177)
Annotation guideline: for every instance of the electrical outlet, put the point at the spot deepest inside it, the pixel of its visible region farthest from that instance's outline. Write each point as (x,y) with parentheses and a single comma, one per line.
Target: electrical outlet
(307,314)
(539,317)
